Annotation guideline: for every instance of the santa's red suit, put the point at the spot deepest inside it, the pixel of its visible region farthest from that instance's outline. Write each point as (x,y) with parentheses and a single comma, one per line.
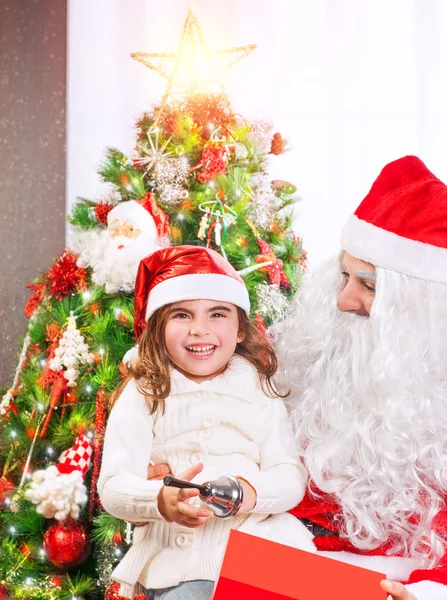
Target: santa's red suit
(323,511)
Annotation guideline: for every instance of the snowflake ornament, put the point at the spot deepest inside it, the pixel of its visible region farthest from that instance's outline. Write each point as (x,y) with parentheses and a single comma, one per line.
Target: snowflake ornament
(71,352)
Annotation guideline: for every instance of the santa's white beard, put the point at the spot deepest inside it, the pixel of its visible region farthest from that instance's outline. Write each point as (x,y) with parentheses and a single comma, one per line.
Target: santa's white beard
(369,406)
(114,268)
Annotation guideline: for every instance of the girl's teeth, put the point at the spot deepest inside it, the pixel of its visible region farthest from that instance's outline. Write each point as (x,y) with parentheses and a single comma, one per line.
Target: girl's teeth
(206,350)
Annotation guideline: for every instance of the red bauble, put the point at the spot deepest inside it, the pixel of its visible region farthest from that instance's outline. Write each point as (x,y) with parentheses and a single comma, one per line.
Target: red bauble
(4,595)
(66,544)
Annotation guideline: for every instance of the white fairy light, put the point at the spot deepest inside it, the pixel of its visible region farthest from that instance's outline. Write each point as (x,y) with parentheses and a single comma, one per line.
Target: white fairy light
(87,295)
(13,433)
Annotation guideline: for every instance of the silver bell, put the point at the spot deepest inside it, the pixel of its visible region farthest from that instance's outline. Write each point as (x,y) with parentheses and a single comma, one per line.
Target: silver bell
(224,495)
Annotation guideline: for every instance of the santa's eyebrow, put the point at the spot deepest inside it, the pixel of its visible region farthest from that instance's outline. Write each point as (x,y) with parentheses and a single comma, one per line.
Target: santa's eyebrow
(366,275)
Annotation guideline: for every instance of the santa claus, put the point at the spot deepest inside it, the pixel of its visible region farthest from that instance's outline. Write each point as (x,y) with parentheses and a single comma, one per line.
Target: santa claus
(364,354)
(134,230)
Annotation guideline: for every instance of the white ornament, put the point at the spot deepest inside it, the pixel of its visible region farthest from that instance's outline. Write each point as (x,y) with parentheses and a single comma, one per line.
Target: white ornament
(218,232)
(57,495)
(71,352)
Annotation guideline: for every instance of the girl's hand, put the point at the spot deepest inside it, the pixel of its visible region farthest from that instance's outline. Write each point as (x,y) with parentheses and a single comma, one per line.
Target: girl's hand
(396,590)
(158,471)
(173,503)
(249,498)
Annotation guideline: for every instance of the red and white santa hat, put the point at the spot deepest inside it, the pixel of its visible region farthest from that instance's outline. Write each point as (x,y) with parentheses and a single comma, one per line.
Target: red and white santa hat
(401,225)
(185,273)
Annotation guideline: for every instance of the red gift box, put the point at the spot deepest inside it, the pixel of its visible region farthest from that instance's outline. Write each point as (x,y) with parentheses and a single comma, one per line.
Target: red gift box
(257,569)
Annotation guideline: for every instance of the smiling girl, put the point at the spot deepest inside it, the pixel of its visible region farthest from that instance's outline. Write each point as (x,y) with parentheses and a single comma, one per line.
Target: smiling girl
(201,399)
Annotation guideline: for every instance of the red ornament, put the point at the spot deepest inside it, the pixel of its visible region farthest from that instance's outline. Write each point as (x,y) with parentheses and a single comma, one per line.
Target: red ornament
(275,270)
(113,593)
(117,537)
(65,277)
(6,486)
(4,594)
(56,581)
(102,209)
(123,179)
(66,544)
(277,145)
(35,300)
(213,162)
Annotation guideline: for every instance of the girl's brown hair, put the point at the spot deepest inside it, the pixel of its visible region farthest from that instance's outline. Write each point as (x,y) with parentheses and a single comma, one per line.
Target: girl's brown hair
(153,367)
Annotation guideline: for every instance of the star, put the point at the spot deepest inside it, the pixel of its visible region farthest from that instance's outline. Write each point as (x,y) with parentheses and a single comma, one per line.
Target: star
(193,68)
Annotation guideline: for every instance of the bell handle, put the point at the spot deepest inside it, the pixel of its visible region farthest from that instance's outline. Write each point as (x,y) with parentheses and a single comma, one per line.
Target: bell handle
(170,481)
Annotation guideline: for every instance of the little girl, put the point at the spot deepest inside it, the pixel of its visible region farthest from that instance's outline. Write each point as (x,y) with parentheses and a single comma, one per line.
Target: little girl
(200,398)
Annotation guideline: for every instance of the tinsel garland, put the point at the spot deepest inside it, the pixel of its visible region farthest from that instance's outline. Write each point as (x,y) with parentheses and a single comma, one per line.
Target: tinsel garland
(273,304)
(100,427)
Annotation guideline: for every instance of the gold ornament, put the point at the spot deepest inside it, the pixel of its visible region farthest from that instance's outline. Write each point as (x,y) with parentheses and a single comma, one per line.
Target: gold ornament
(193,68)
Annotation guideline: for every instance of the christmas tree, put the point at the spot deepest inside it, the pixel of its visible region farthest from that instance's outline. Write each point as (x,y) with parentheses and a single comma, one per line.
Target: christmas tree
(197,175)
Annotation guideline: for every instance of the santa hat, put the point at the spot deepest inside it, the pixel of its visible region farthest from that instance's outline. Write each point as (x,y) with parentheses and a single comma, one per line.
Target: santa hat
(59,491)
(185,273)
(401,225)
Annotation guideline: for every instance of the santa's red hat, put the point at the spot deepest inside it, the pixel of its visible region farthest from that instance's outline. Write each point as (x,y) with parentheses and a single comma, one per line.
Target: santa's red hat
(185,273)
(401,225)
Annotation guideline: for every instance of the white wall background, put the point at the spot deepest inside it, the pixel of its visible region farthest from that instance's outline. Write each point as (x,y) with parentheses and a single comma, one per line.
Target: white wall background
(351,84)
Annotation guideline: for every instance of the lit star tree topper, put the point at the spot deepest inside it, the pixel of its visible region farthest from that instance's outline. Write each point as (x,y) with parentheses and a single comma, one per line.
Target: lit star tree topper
(193,68)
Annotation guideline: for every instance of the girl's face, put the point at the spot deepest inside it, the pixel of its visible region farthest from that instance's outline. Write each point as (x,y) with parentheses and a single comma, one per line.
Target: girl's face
(201,336)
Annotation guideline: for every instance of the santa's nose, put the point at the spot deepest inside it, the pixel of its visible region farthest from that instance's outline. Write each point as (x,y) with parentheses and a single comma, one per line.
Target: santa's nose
(351,301)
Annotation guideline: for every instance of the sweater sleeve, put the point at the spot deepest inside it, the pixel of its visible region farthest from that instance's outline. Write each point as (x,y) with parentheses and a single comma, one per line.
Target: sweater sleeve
(281,481)
(123,487)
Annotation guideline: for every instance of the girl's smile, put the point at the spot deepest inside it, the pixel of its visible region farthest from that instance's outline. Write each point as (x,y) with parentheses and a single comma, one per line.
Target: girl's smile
(201,337)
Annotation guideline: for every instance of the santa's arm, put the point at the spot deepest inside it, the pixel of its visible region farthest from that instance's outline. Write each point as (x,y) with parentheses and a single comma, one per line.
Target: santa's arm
(429,584)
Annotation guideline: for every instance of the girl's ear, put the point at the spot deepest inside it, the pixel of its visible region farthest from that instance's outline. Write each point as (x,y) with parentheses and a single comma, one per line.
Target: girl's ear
(240,337)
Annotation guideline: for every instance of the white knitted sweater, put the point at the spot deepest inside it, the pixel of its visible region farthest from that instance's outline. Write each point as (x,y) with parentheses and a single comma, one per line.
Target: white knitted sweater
(230,425)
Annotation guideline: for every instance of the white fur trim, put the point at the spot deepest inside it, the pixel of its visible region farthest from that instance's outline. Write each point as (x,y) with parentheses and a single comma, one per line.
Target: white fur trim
(395,568)
(203,286)
(393,252)
(131,356)
(428,590)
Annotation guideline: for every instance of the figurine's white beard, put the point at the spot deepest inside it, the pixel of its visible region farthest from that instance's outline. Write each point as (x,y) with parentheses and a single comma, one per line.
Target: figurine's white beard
(369,405)
(113,266)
